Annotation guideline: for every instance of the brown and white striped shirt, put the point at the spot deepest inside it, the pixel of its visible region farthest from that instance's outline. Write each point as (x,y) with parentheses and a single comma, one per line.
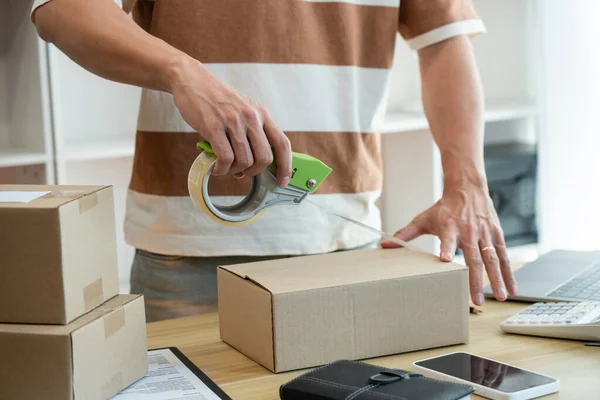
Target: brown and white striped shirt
(322,69)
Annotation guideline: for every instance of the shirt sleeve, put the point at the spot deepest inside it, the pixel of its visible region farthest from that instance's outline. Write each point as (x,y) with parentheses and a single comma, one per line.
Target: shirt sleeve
(38,3)
(423,23)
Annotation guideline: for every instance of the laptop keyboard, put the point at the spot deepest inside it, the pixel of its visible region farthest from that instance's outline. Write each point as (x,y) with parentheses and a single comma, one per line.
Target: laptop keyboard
(585,286)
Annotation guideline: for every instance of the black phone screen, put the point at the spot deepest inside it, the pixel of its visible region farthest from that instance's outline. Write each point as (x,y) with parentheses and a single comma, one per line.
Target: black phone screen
(485,372)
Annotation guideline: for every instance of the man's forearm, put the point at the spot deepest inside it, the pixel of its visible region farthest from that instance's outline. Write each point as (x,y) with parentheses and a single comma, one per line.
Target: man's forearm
(101,37)
(453,102)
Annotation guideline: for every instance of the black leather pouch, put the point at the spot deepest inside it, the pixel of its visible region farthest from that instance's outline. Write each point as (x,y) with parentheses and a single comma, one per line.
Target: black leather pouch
(353,380)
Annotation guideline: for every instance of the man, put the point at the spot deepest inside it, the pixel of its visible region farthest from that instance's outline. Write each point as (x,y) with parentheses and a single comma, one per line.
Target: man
(240,74)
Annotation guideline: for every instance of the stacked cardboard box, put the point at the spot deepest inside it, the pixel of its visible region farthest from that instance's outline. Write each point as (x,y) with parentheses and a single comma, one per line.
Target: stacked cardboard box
(65,332)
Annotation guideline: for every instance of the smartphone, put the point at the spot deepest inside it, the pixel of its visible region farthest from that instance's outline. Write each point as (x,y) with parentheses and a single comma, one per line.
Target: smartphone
(491,379)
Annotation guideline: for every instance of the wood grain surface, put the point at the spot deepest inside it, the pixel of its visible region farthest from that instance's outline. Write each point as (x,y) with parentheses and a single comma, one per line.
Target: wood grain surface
(575,365)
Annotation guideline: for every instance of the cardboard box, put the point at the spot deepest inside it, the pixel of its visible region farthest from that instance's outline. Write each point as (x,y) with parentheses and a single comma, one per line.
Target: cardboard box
(308,311)
(58,256)
(93,358)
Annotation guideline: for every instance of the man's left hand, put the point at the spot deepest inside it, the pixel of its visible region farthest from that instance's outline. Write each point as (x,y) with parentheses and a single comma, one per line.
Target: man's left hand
(466,218)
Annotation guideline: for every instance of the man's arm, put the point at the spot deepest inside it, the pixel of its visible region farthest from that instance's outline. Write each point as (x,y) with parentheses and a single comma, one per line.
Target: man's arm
(101,37)
(465,216)
(453,102)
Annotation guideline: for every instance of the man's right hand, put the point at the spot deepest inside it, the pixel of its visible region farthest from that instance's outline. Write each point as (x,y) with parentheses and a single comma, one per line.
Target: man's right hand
(240,131)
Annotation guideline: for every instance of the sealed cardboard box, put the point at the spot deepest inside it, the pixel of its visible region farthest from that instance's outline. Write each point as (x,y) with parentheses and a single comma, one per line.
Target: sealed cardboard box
(93,358)
(58,257)
(307,311)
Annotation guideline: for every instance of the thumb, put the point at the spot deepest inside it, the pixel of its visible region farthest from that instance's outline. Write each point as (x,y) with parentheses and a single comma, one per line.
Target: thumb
(408,233)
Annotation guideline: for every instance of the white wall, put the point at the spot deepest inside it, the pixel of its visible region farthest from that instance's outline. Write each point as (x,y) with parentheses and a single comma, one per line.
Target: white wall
(115,172)
(3,106)
(570,126)
(503,56)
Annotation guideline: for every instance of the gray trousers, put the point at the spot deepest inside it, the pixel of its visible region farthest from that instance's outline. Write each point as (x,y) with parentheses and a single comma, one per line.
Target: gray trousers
(177,286)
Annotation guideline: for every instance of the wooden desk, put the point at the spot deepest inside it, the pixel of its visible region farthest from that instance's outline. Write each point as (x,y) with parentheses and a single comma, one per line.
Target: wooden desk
(575,365)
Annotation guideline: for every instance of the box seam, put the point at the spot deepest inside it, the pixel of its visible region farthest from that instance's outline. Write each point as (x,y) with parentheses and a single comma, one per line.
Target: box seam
(65,311)
(72,367)
(274,347)
(100,188)
(400,278)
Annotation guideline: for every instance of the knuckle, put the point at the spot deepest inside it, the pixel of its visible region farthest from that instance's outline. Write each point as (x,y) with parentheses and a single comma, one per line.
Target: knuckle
(262,109)
(244,163)
(504,260)
(250,115)
(499,232)
(492,259)
(231,117)
(474,261)
(264,157)
(226,158)
(215,124)
(470,229)
(447,223)
(283,142)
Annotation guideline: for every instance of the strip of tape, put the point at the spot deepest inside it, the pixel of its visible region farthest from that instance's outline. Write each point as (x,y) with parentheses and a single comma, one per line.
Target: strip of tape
(113,322)
(87,202)
(113,386)
(93,295)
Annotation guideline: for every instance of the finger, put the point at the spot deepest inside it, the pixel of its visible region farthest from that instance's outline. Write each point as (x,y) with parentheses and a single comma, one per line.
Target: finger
(477,370)
(236,133)
(261,150)
(500,378)
(492,264)
(223,151)
(282,148)
(408,233)
(449,239)
(505,267)
(473,260)
(495,371)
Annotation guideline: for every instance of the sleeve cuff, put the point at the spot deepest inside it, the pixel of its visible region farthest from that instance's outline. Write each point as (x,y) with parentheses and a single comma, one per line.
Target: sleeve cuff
(460,28)
(37,4)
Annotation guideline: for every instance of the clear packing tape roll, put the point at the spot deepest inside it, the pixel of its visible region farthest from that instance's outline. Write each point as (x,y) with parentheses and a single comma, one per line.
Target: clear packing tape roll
(198,177)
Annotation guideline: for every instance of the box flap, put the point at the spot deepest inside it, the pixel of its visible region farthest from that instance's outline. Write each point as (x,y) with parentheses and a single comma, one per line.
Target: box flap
(338,269)
(60,330)
(246,318)
(58,195)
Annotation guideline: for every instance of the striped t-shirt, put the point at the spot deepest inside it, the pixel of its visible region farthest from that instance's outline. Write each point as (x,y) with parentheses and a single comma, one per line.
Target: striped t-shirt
(322,70)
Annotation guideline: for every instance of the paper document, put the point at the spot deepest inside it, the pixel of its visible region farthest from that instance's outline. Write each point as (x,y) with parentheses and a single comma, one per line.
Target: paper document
(168,379)
(20,197)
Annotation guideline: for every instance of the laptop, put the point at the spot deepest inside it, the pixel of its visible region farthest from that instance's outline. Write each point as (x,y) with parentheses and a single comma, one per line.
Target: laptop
(559,275)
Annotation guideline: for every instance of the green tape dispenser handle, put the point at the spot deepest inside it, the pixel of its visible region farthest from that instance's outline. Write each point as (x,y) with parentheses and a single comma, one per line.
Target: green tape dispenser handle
(308,172)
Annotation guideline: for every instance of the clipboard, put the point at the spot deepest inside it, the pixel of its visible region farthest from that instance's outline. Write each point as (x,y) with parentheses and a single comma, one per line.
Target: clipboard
(170,365)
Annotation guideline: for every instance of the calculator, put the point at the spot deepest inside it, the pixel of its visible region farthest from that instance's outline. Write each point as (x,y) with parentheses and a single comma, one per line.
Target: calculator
(579,320)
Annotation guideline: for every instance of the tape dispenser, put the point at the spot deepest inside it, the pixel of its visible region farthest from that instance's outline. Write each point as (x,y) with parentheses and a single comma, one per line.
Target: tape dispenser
(307,175)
